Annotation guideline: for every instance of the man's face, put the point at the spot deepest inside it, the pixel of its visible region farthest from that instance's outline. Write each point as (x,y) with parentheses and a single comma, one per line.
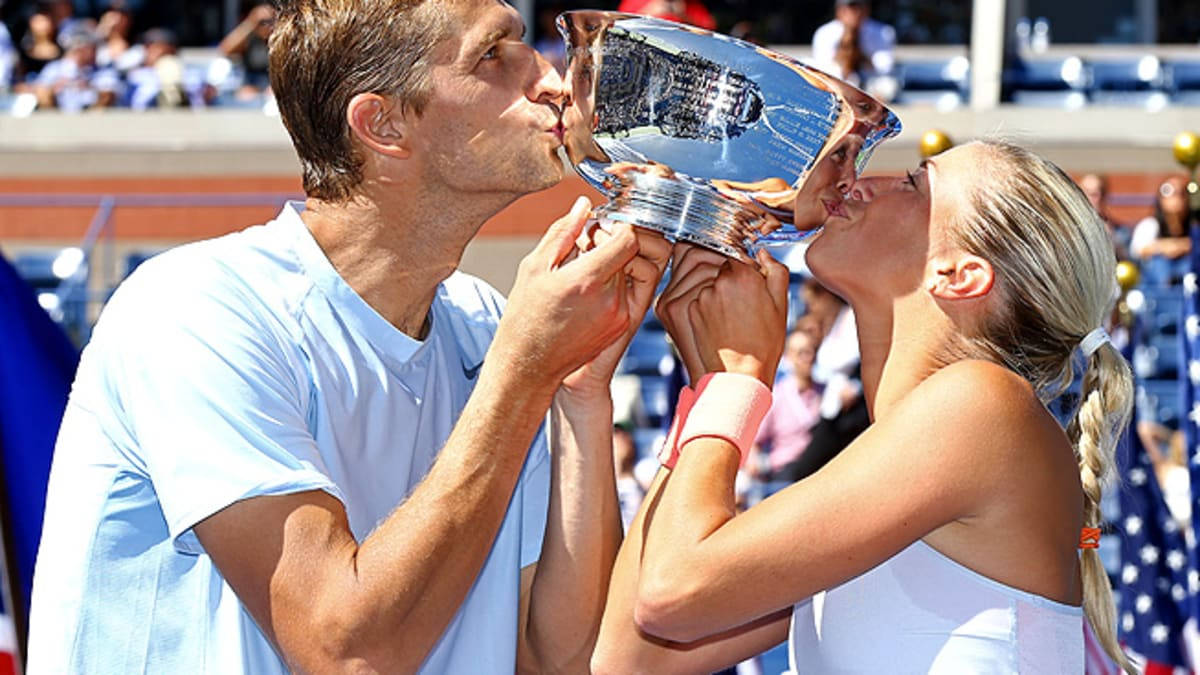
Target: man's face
(492,123)
(852,15)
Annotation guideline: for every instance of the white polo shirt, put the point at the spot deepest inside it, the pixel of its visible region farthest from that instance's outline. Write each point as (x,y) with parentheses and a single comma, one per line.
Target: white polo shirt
(238,367)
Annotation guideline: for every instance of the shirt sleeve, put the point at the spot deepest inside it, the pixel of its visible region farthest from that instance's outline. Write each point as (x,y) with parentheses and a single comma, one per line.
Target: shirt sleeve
(824,43)
(1144,234)
(211,389)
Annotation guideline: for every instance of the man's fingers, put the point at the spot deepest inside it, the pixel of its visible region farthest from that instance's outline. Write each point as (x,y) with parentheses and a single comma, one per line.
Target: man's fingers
(611,254)
(562,234)
(653,247)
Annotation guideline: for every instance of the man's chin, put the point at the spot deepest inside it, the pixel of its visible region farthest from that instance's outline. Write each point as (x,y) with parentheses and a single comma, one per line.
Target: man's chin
(548,177)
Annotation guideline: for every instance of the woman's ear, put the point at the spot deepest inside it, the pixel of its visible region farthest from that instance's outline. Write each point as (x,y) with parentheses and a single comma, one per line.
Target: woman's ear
(961,277)
(379,124)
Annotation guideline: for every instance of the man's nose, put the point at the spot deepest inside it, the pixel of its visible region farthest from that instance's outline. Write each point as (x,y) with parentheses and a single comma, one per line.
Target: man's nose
(548,86)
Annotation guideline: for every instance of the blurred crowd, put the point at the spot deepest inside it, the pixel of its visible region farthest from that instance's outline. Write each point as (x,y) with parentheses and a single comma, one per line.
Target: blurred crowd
(74,63)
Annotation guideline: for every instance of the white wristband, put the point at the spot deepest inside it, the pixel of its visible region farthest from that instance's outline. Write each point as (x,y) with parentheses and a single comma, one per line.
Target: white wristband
(729,406)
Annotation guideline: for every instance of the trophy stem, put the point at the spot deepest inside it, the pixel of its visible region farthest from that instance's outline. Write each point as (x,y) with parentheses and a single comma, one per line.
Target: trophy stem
(693,212)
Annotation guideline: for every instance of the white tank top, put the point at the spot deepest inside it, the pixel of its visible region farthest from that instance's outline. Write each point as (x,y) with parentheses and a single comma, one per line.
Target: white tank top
(921,612)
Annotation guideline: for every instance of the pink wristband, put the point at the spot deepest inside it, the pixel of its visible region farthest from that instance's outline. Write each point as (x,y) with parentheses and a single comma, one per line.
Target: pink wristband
(729,406)
(670,449)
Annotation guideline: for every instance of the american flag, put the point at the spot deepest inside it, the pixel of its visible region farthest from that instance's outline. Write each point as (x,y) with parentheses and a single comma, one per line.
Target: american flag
(1157,578)
(1153,579)
(1190,386)
(8,643)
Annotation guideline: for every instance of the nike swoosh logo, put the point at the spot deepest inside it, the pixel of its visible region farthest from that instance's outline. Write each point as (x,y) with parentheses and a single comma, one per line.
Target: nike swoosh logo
(471,372)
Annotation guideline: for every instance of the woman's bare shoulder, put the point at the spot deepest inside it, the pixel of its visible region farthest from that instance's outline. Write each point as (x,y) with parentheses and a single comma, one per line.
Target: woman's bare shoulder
(985,407)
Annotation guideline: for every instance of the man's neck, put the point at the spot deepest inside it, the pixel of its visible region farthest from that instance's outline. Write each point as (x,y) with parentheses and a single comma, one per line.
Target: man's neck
(393,247)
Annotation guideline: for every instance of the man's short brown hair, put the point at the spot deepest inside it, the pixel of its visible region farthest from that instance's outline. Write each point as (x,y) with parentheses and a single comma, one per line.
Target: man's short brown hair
(325,52)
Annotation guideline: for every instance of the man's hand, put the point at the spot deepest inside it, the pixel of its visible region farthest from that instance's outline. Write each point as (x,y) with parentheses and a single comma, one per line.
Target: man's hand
(642,274)
(564,309)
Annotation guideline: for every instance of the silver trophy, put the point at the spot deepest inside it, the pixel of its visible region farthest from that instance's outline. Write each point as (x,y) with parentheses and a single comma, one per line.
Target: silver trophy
(703,137)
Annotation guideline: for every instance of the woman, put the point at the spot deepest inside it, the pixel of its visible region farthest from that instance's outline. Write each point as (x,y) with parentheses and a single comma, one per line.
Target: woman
(1162,241)
(945,538)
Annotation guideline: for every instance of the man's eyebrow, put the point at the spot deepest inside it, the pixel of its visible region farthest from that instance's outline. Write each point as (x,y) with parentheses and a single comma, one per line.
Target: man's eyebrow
(508,29)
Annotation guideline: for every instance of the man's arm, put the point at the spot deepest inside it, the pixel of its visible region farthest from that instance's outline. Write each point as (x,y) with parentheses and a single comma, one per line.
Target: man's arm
(330,603)
(563,595)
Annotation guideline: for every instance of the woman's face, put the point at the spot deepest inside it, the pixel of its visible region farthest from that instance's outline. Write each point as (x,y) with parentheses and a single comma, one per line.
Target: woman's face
(1173,196)
(822,194)
(882,246)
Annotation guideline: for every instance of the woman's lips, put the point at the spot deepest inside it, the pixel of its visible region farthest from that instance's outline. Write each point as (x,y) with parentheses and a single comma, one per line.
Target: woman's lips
(835,207)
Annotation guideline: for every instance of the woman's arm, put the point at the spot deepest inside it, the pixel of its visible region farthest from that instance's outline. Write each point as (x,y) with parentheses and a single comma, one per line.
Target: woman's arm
(624,648)
(705,570)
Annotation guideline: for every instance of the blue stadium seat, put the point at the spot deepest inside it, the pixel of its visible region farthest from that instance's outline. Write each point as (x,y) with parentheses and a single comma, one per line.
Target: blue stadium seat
(36,268)
(1134,82)
(1161,309)
(1182,82)
(648,354)
(133,260)
(942,83)
(1161,271)
(1166,351)
(1048,83)
(655,395)
(647,440)
(1160,401)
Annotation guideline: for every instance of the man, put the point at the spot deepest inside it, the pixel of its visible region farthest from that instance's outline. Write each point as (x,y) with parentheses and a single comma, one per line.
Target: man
(286,450)
(854,46)
(1095,186)
(73,83)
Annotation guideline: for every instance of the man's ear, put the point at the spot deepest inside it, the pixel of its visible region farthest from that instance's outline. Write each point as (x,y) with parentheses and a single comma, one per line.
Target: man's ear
(960,277)
(379,124)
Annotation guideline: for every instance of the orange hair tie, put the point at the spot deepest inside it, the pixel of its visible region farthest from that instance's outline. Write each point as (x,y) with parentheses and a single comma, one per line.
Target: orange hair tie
(1089,537)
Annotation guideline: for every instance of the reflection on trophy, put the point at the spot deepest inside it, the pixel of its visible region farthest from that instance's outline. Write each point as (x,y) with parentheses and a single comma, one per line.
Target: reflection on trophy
(703,137)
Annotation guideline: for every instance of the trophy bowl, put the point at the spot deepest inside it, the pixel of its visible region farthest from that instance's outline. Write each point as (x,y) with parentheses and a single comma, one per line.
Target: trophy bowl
(703,137)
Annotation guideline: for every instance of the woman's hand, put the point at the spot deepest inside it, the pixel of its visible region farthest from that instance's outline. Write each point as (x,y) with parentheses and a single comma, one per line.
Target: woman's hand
(725,315)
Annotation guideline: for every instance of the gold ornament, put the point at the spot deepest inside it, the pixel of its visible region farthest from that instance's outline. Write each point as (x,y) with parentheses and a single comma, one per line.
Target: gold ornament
(1128,275)
(934,141)
(1187,149)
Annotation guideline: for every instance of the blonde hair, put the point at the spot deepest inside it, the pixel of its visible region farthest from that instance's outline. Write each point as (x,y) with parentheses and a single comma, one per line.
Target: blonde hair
(1055,275)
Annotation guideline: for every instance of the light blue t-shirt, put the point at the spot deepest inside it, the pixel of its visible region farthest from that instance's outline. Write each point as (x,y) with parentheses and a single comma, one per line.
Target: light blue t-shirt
(238,367)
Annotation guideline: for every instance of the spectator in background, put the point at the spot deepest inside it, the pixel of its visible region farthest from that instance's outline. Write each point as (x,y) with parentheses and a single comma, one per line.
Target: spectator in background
(836,369)
(854,47)
(787,429)
(116,47)
(1161,242)
(160,81)
(62,14)
(247,45)
(1095,186)
(73,82)
(8,56)
(683,11)
(39,46)
(629,491)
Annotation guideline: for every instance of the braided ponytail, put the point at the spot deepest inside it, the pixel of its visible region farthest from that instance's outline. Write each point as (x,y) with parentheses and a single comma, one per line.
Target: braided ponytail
(1056,272)
(1102,415)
